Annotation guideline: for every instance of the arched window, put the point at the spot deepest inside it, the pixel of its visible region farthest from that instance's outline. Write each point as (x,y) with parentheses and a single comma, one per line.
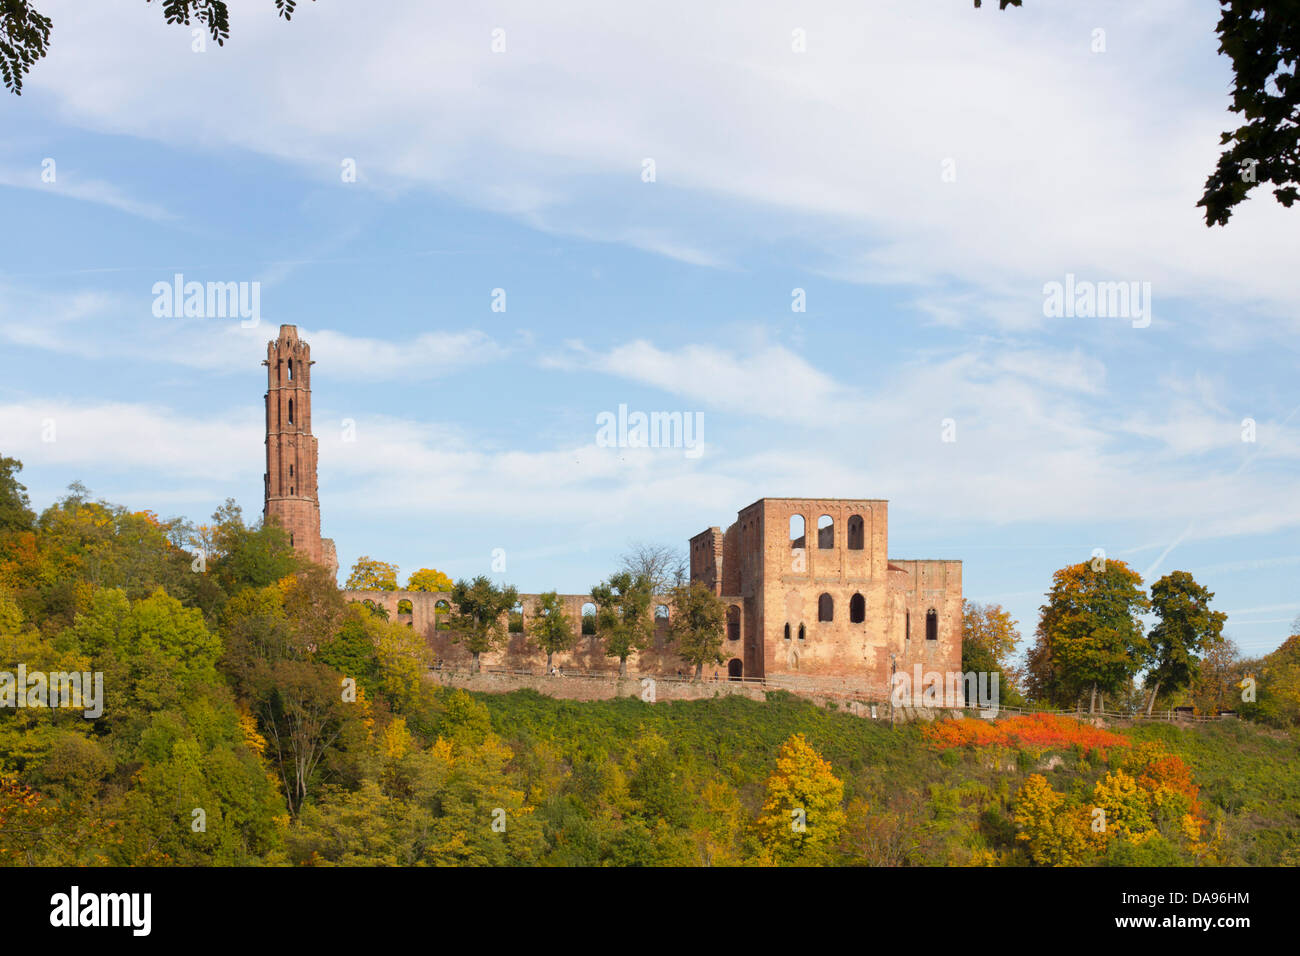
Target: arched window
(857,609)
(661,612)
(735,669)
(825,532)
(907,625)
(441,613)
(291,471)
(797,531)
(404,606)
(589,618)
(931,625)
(825,608)
(291,491)
(515,622)
(291,539)
(802,632)
(857,534)
(787,632)
(291,370)
(733,623)
(291,411)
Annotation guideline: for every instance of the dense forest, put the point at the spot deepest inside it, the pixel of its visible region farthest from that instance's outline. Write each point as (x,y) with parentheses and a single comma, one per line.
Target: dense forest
(251,716)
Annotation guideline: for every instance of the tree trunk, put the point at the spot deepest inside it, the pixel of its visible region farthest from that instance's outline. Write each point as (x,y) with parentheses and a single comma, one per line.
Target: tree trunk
(1152,702)
(1092,703)
(699,669)
(473,663)
(622,668)
(548,661)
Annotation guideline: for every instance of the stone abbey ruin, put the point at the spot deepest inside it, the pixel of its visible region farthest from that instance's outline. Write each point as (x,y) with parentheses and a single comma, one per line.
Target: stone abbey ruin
(813,600)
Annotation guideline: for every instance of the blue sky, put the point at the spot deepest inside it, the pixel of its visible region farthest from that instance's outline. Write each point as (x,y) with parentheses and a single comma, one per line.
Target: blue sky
(775,170)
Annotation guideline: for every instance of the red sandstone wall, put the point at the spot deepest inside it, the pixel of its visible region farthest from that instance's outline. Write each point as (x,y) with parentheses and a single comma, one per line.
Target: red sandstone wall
(771,585)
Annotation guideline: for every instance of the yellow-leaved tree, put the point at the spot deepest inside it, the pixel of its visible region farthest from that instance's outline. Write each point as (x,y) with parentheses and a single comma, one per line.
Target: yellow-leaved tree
(803,814)
(429,579)
(1056,832)
(369,574)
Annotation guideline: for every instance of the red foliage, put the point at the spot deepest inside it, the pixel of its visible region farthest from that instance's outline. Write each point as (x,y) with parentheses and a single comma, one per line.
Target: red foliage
(1025,732)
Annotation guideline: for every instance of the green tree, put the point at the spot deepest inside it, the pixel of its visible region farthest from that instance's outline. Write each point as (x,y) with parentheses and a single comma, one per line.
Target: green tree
(371,575)
(1089,635)
(623,615)
(247,556)
(1185,628)
(478,618)
(550,627)
(1262,38)
(15,510)
(698,619)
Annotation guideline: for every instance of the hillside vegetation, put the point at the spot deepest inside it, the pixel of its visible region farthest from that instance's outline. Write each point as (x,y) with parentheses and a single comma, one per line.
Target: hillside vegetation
(249,715)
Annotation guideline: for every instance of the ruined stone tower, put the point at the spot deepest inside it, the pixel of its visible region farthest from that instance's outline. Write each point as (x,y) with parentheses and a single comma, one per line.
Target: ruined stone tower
(290,477)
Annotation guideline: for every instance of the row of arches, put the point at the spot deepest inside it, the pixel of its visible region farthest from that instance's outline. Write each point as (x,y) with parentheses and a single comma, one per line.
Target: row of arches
(856,537)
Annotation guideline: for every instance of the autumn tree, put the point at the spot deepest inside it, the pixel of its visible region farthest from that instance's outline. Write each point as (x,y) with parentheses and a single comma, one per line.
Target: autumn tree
(429,579)
(698,620)
(1089,637)
(989,636)
(369,574)
(1054,831)
(1278,691)
(478,617)
(1185,628)
(1216,685)
(623,615)
(550,627)
(803,813)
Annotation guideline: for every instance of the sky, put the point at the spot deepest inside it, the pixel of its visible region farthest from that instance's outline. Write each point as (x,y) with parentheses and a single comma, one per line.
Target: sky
(826,232)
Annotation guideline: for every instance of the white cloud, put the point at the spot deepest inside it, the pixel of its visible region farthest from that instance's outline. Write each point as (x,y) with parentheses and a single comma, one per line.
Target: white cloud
(1066,160)
(1028,450)
(99,325)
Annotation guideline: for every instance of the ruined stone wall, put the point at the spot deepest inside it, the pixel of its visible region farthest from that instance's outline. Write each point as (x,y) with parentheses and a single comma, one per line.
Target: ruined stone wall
(767,581)
(794,580)
(780,576)
(518,651)
(592,689)
(705,559)
(917,588)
